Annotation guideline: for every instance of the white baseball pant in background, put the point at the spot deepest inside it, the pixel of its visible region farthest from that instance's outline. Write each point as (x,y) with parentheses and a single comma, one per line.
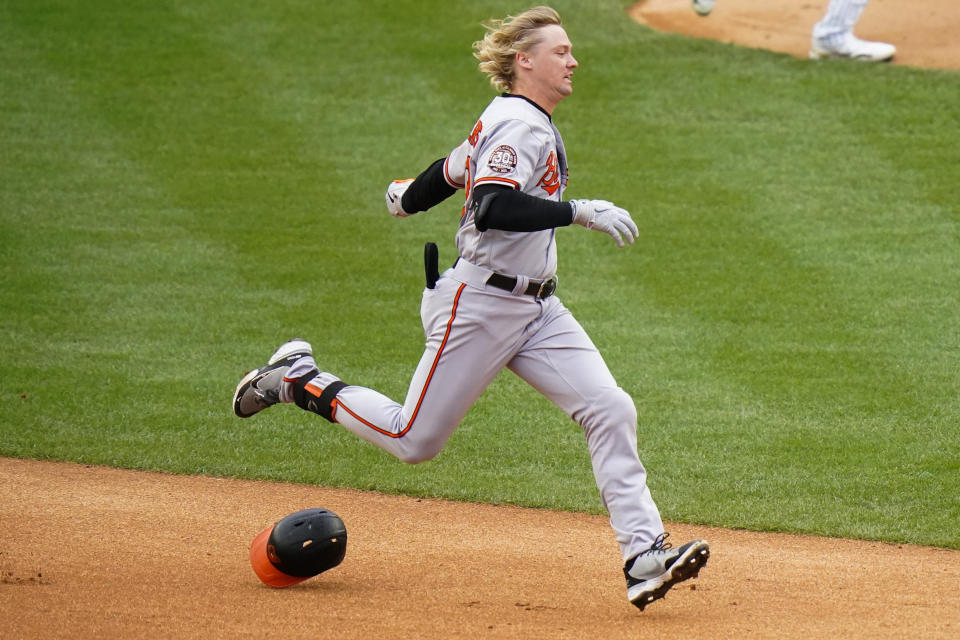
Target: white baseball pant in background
(838,21)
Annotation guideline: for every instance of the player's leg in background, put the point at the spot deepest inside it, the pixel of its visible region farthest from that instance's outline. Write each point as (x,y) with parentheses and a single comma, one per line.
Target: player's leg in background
(561,362)
(838,21)
(833,36)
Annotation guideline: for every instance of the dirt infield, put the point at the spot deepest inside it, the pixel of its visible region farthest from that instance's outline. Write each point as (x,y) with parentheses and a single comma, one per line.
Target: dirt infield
(924,31)
(90,552)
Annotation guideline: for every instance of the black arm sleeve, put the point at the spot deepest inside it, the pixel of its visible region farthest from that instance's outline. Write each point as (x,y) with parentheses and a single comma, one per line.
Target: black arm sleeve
(429,189)
(500,207)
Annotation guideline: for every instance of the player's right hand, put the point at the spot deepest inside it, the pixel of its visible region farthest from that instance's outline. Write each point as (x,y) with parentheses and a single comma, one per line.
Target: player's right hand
(607,217)
(393,196)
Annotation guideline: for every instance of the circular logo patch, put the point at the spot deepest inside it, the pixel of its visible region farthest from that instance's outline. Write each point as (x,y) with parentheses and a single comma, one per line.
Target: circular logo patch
(503,159)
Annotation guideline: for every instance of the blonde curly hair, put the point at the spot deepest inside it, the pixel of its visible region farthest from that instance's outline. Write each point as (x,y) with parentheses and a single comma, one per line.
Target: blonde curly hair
(497,52)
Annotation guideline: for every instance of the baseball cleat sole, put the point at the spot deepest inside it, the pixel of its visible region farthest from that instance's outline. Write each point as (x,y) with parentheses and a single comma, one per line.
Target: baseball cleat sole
(686,566)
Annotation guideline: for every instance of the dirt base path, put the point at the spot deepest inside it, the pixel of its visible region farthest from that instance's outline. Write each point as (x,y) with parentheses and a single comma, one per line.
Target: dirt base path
(90,552)
(924,31)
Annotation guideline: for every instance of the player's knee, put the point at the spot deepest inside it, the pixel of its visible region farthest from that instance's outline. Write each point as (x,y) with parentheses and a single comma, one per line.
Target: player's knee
(615,408)
(415,457)
(417,454)
(622,407)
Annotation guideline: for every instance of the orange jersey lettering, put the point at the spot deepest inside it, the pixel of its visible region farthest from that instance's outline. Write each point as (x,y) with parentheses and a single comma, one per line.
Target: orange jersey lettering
(550,180)
(475,134)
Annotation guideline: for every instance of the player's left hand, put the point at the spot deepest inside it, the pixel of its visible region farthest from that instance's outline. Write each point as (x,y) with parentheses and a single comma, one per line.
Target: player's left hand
(393,196)
(607,217)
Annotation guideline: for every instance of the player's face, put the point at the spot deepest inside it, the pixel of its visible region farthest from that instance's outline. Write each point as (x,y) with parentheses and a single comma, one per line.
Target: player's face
(552,62)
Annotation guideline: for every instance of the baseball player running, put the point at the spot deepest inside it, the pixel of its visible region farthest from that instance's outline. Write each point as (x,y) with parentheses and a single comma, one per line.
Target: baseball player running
(495,307)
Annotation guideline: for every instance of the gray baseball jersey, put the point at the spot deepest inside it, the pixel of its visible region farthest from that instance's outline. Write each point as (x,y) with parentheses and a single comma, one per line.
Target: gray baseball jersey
(514,144)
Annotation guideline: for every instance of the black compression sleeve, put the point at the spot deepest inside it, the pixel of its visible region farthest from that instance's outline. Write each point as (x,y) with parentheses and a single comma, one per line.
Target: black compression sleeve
(507,209)
(429,189)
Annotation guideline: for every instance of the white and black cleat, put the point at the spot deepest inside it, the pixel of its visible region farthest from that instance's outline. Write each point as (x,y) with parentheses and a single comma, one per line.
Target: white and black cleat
(652,573)
(260,388)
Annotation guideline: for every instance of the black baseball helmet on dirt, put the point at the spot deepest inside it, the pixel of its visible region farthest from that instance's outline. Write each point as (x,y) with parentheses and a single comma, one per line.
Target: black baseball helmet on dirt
(298,547)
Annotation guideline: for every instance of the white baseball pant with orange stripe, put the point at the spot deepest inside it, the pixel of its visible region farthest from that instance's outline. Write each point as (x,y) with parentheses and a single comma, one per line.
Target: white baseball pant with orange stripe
(472,332)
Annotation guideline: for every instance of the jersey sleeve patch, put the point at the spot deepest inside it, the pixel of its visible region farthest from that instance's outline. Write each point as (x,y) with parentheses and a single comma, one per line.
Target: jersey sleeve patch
(503,159)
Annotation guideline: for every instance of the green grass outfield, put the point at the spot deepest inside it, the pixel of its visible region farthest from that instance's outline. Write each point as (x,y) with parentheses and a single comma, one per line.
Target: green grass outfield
(186,184)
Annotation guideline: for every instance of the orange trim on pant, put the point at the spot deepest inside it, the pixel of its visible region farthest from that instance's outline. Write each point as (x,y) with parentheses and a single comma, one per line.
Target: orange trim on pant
(426,385)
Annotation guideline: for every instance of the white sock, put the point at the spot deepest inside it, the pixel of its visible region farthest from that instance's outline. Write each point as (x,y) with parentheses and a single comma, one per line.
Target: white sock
(300,368)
